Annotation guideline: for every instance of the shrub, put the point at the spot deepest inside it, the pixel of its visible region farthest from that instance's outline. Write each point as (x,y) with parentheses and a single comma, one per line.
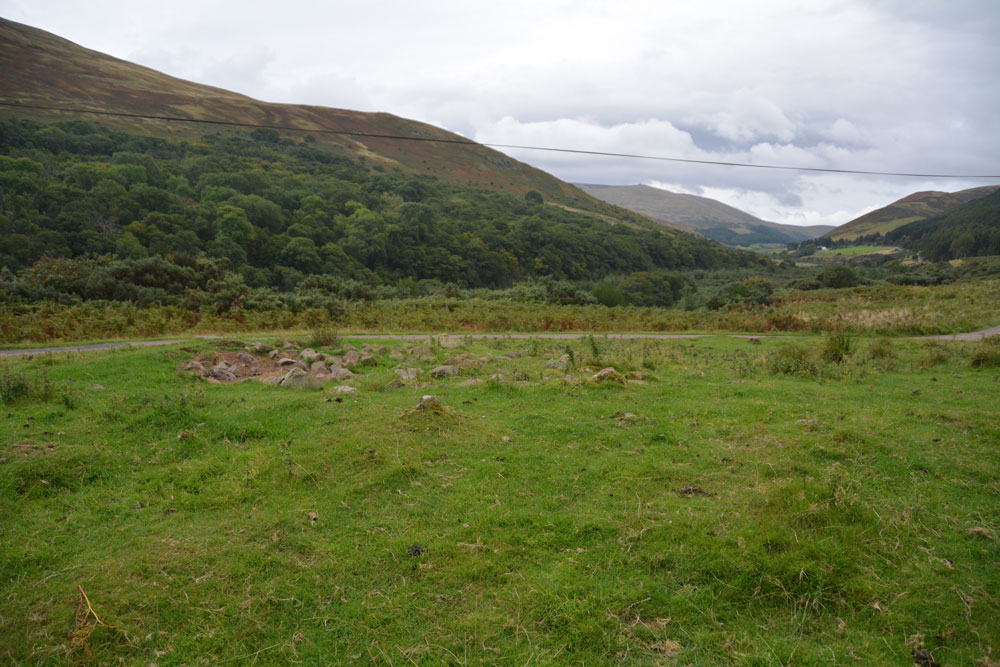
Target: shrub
(838,277)
(792,359)
(934,354)
(13,385)
(837,346)
(987,353)
(324,336)
(881,349)
(608,294)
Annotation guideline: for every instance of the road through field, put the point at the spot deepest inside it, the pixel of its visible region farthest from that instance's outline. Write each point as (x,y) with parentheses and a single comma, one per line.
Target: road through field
(970,336)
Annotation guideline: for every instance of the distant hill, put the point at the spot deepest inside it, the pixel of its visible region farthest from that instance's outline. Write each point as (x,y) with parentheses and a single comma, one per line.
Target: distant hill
(708,217)
(39,68)
(971,229)
(912,208)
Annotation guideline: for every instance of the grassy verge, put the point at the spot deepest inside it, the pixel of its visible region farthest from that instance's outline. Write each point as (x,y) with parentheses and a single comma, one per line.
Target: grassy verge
(880,310)
(789,502)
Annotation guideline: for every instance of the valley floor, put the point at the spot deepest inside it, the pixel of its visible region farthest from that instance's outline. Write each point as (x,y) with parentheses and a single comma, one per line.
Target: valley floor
(800,500)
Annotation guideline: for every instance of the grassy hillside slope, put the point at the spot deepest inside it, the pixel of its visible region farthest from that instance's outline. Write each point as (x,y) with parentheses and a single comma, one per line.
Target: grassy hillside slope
(972,229)
(914,207)
(39,68)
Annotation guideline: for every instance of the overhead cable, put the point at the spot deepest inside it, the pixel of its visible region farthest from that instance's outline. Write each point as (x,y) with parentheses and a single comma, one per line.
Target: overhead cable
(469,142)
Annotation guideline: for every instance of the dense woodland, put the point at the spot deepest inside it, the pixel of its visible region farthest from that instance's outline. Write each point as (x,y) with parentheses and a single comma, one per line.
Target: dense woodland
(100,214)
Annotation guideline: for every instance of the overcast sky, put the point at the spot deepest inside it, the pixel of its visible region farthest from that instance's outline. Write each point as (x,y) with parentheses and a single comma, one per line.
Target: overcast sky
(890,85)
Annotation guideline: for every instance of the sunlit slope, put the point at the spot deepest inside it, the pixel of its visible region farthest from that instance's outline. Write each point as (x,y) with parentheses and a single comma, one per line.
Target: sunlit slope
(912,208)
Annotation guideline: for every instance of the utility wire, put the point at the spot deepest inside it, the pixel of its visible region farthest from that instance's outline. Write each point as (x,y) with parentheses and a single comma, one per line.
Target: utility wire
(468,142)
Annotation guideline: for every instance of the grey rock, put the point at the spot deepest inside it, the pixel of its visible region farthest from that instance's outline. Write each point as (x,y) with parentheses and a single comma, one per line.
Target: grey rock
(223,374)
(246,358)
(351,358)
(194,366)
(367,360)
(260,348)
(307,353)
(285,362)
(449,342)
(344,389)
(423,353)
(318,367)
(299,379)
(429,403)
(408,374)
(444,371)
(340,373)
(396,354)
(471,382)
(608,374)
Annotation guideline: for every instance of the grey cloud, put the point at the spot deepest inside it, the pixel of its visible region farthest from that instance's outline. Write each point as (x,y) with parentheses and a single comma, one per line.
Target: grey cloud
(868,84)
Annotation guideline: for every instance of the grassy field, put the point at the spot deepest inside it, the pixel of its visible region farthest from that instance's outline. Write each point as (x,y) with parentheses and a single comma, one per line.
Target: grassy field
(852,251)
(822,500)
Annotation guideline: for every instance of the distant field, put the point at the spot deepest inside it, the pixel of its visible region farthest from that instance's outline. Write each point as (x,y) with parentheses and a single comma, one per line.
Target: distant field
(851,251)
(781,503)
(766,248)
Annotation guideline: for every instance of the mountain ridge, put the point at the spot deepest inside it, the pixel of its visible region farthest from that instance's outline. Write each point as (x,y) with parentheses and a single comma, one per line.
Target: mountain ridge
(705,216)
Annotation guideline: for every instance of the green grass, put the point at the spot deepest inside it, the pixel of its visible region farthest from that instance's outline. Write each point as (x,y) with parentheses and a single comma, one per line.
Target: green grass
(853,251)
(882,227)
(527,522)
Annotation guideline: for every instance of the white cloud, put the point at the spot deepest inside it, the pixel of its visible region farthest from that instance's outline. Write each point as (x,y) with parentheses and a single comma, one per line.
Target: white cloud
(752,117)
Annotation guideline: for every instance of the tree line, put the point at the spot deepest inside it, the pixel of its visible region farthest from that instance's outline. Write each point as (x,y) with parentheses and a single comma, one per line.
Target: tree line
(270,212)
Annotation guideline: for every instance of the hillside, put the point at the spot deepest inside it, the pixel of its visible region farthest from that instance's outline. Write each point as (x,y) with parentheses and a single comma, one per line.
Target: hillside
(39,68)
(970,230)
(912,208)
(157,211)
(707,217)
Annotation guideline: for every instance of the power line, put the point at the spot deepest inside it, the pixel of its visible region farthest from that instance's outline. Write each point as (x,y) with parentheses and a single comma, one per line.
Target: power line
(467,142)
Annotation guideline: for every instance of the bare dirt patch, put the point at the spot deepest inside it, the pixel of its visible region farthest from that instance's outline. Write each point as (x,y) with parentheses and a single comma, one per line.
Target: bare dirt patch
(242,365)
